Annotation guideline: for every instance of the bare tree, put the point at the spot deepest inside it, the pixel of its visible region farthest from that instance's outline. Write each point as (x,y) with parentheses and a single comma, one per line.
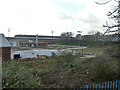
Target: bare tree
(114,15)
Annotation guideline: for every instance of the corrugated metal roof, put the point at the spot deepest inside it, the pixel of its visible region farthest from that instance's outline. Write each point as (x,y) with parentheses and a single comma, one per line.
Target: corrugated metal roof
(3,41)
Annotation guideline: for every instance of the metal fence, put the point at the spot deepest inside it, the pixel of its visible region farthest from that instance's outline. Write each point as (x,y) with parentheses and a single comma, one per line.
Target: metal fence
(112,85)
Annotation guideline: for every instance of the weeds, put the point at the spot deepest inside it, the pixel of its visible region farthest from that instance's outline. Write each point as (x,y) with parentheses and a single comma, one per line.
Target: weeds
(18,77)
(103,69)
(66,70)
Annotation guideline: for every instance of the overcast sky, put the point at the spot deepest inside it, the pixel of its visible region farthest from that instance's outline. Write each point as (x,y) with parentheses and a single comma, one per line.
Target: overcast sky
(42,16)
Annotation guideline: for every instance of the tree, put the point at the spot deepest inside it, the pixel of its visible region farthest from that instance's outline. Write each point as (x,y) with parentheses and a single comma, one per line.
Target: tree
(93,32)
(67,34)
(113,15)
(67,37)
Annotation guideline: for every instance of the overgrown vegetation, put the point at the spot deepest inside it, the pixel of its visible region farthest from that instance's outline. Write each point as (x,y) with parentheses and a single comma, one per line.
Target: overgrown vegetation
(62,71)
(105,69)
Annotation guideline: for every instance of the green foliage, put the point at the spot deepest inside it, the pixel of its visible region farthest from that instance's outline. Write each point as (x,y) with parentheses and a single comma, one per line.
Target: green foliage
(64,60)
(64,71)
(18,76)
(113,51)
(104,69)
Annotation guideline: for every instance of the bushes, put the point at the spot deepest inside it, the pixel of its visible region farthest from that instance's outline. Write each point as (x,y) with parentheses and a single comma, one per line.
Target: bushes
(64,60)
(104,69)
(65,70)
(18,76)
(113,51)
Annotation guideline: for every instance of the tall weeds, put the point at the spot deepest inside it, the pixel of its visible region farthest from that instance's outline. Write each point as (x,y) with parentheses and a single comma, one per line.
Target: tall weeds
(104,69)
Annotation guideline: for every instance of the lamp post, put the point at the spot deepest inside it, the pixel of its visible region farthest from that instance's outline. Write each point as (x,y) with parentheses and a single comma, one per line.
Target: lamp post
(8,32)
(79,39)
(37,40)
(52,38)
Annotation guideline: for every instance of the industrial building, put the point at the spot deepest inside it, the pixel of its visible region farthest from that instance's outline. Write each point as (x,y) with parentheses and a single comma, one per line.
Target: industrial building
(32,40)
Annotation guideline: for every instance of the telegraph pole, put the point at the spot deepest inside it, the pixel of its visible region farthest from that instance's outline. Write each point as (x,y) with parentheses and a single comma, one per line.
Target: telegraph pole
(52,36)
(80,39)
(8,32)
(36,40)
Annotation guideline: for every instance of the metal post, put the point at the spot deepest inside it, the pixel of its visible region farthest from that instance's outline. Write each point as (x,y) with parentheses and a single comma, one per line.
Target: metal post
(79,39)
(52,36)
(8,32)
(37,40)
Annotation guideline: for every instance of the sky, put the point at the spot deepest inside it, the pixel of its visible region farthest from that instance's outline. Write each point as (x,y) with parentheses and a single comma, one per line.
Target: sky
(31,17)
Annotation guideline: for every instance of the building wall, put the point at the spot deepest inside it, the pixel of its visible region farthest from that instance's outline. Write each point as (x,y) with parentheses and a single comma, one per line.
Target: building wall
(13,43)
(30,41)
(5,53)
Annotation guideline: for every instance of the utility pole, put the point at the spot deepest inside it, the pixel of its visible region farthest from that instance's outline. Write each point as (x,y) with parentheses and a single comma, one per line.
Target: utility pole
(79,39)
(8,32)
(37,40)
(52,36)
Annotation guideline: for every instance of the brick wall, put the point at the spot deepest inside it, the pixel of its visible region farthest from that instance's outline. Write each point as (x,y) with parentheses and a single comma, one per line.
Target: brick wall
(5,53)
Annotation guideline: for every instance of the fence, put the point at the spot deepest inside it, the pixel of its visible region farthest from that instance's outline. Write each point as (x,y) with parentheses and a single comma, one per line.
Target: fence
(112,85)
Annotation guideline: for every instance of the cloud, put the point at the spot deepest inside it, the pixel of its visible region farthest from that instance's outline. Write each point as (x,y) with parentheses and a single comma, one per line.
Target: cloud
(42,16)
(65,16)
(90,19)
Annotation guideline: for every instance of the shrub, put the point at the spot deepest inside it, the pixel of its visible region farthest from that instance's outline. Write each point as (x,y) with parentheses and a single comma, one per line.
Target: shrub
(18,76)
(103,69)
(113,51)
(68,56)
(65,59)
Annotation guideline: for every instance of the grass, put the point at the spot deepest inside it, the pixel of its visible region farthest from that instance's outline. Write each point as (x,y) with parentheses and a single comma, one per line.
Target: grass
(93,50)
(65,71)
(67,44)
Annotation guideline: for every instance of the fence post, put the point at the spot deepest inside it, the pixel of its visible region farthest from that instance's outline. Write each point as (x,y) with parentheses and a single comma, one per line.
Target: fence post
(83,88)
(102,86)
(111,85)
(96,86)
(93,86)
(90,87)
(80,88)
(108,85)
(86,87)
(116,85)
(99,86)
(105,85)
